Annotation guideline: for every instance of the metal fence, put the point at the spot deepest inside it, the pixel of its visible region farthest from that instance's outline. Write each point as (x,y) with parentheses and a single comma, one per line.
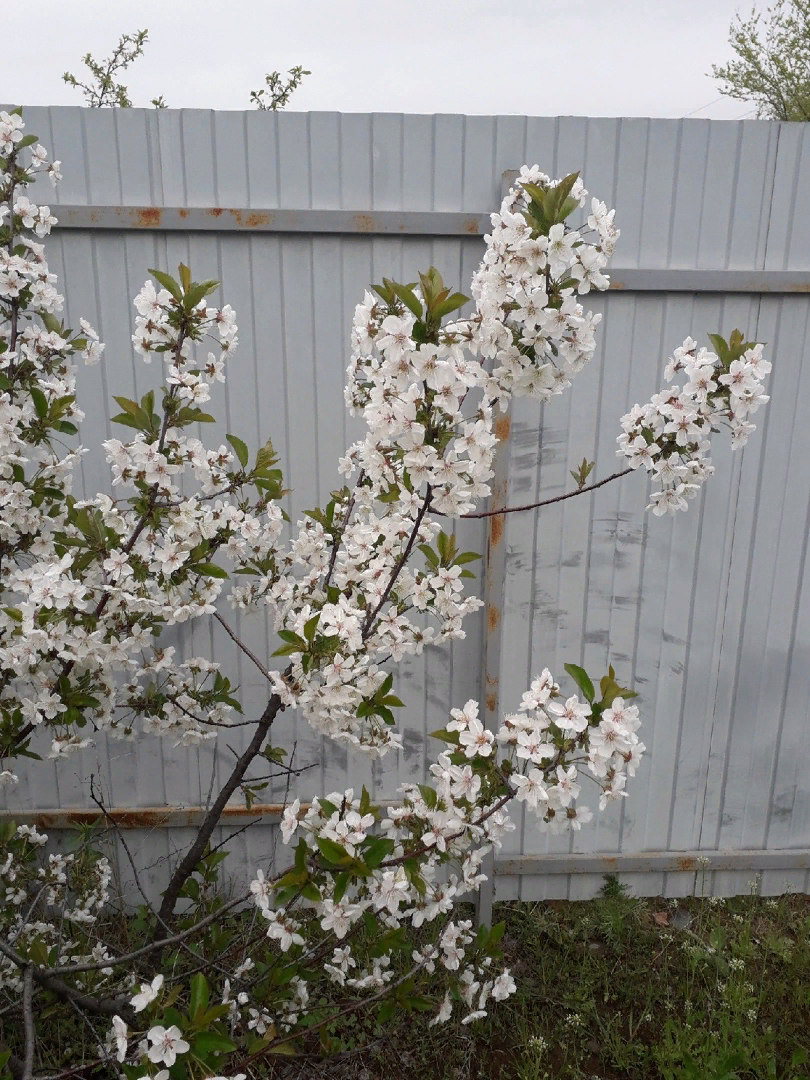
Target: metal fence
(707,615)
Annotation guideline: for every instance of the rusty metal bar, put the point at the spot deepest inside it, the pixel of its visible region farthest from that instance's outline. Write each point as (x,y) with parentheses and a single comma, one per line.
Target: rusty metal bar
(406,223)
(145,817)
(655,861)
(178,817)
(244,219)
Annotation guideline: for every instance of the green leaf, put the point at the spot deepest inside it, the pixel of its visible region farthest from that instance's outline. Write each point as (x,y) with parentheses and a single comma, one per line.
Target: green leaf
(208,1041)
(187,415)
(184,274)
(377,849)
(168,283)
(199,996)
(288,650)
(496,933)
(556,197)
(266,456)
(405,294)
(332,852)
(284,1049)
(429,795)
(465,557)
(580,677)
(197,293)
(720,347)
(445,736)
(126,420)
(40,402)
(127,405)
(209,569)
(240,449)
(429,554)
(452,303)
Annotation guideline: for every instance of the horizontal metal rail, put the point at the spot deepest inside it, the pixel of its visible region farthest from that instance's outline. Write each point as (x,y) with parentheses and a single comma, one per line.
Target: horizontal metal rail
(229,219)
(171,817)
(413,223)
(654,862)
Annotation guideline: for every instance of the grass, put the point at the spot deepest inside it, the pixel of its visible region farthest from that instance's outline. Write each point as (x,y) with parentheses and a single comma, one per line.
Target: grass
(620,987)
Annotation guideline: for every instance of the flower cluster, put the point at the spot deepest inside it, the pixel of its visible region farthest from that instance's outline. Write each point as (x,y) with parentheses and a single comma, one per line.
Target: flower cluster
(671,435)
(87,585)
(532,327)
(534,757)
(427,392)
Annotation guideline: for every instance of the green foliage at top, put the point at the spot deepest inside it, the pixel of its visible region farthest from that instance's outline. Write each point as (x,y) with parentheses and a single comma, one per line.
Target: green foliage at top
(772,64)
(101,89)
(275,94)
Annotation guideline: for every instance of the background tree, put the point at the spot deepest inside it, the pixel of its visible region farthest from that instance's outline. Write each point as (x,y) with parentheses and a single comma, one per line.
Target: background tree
(772,68)
(102,89)
(276,93)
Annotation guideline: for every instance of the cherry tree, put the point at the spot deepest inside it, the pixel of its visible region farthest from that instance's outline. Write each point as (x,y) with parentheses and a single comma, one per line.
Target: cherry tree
(364,913)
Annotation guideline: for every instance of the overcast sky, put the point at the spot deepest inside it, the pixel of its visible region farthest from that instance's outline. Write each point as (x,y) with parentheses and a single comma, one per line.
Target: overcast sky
(540,57)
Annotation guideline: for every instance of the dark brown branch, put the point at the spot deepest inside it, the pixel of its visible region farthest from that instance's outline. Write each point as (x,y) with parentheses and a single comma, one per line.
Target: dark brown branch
(547,502)
(197,850)
(399,564)
(337,540)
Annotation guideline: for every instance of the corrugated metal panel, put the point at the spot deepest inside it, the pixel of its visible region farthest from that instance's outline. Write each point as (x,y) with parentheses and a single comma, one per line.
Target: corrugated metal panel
(708,615)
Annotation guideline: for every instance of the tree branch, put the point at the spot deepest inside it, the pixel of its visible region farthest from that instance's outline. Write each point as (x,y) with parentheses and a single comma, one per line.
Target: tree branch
(548,502)
(399,564)
(197,849)
(49,982)
(240,644)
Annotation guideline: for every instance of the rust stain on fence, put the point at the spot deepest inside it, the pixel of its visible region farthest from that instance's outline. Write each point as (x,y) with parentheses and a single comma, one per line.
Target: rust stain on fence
(147,217)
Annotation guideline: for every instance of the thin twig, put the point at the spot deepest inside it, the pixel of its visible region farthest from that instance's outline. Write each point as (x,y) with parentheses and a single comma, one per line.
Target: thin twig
(361,1003)
(243,647)
(400,563)
(545,502)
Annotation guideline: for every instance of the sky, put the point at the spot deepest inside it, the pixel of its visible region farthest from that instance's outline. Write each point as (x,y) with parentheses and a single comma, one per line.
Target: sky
(535,57)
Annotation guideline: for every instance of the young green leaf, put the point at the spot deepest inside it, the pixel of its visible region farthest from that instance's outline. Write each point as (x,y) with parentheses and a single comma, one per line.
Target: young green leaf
(240,449)
(580,677)
(168,283)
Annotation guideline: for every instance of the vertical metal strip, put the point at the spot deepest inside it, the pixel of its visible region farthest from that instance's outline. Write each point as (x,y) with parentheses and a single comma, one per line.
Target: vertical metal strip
(494,589)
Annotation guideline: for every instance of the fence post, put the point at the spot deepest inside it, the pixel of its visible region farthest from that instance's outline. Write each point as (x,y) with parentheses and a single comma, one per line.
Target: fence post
(494,587)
